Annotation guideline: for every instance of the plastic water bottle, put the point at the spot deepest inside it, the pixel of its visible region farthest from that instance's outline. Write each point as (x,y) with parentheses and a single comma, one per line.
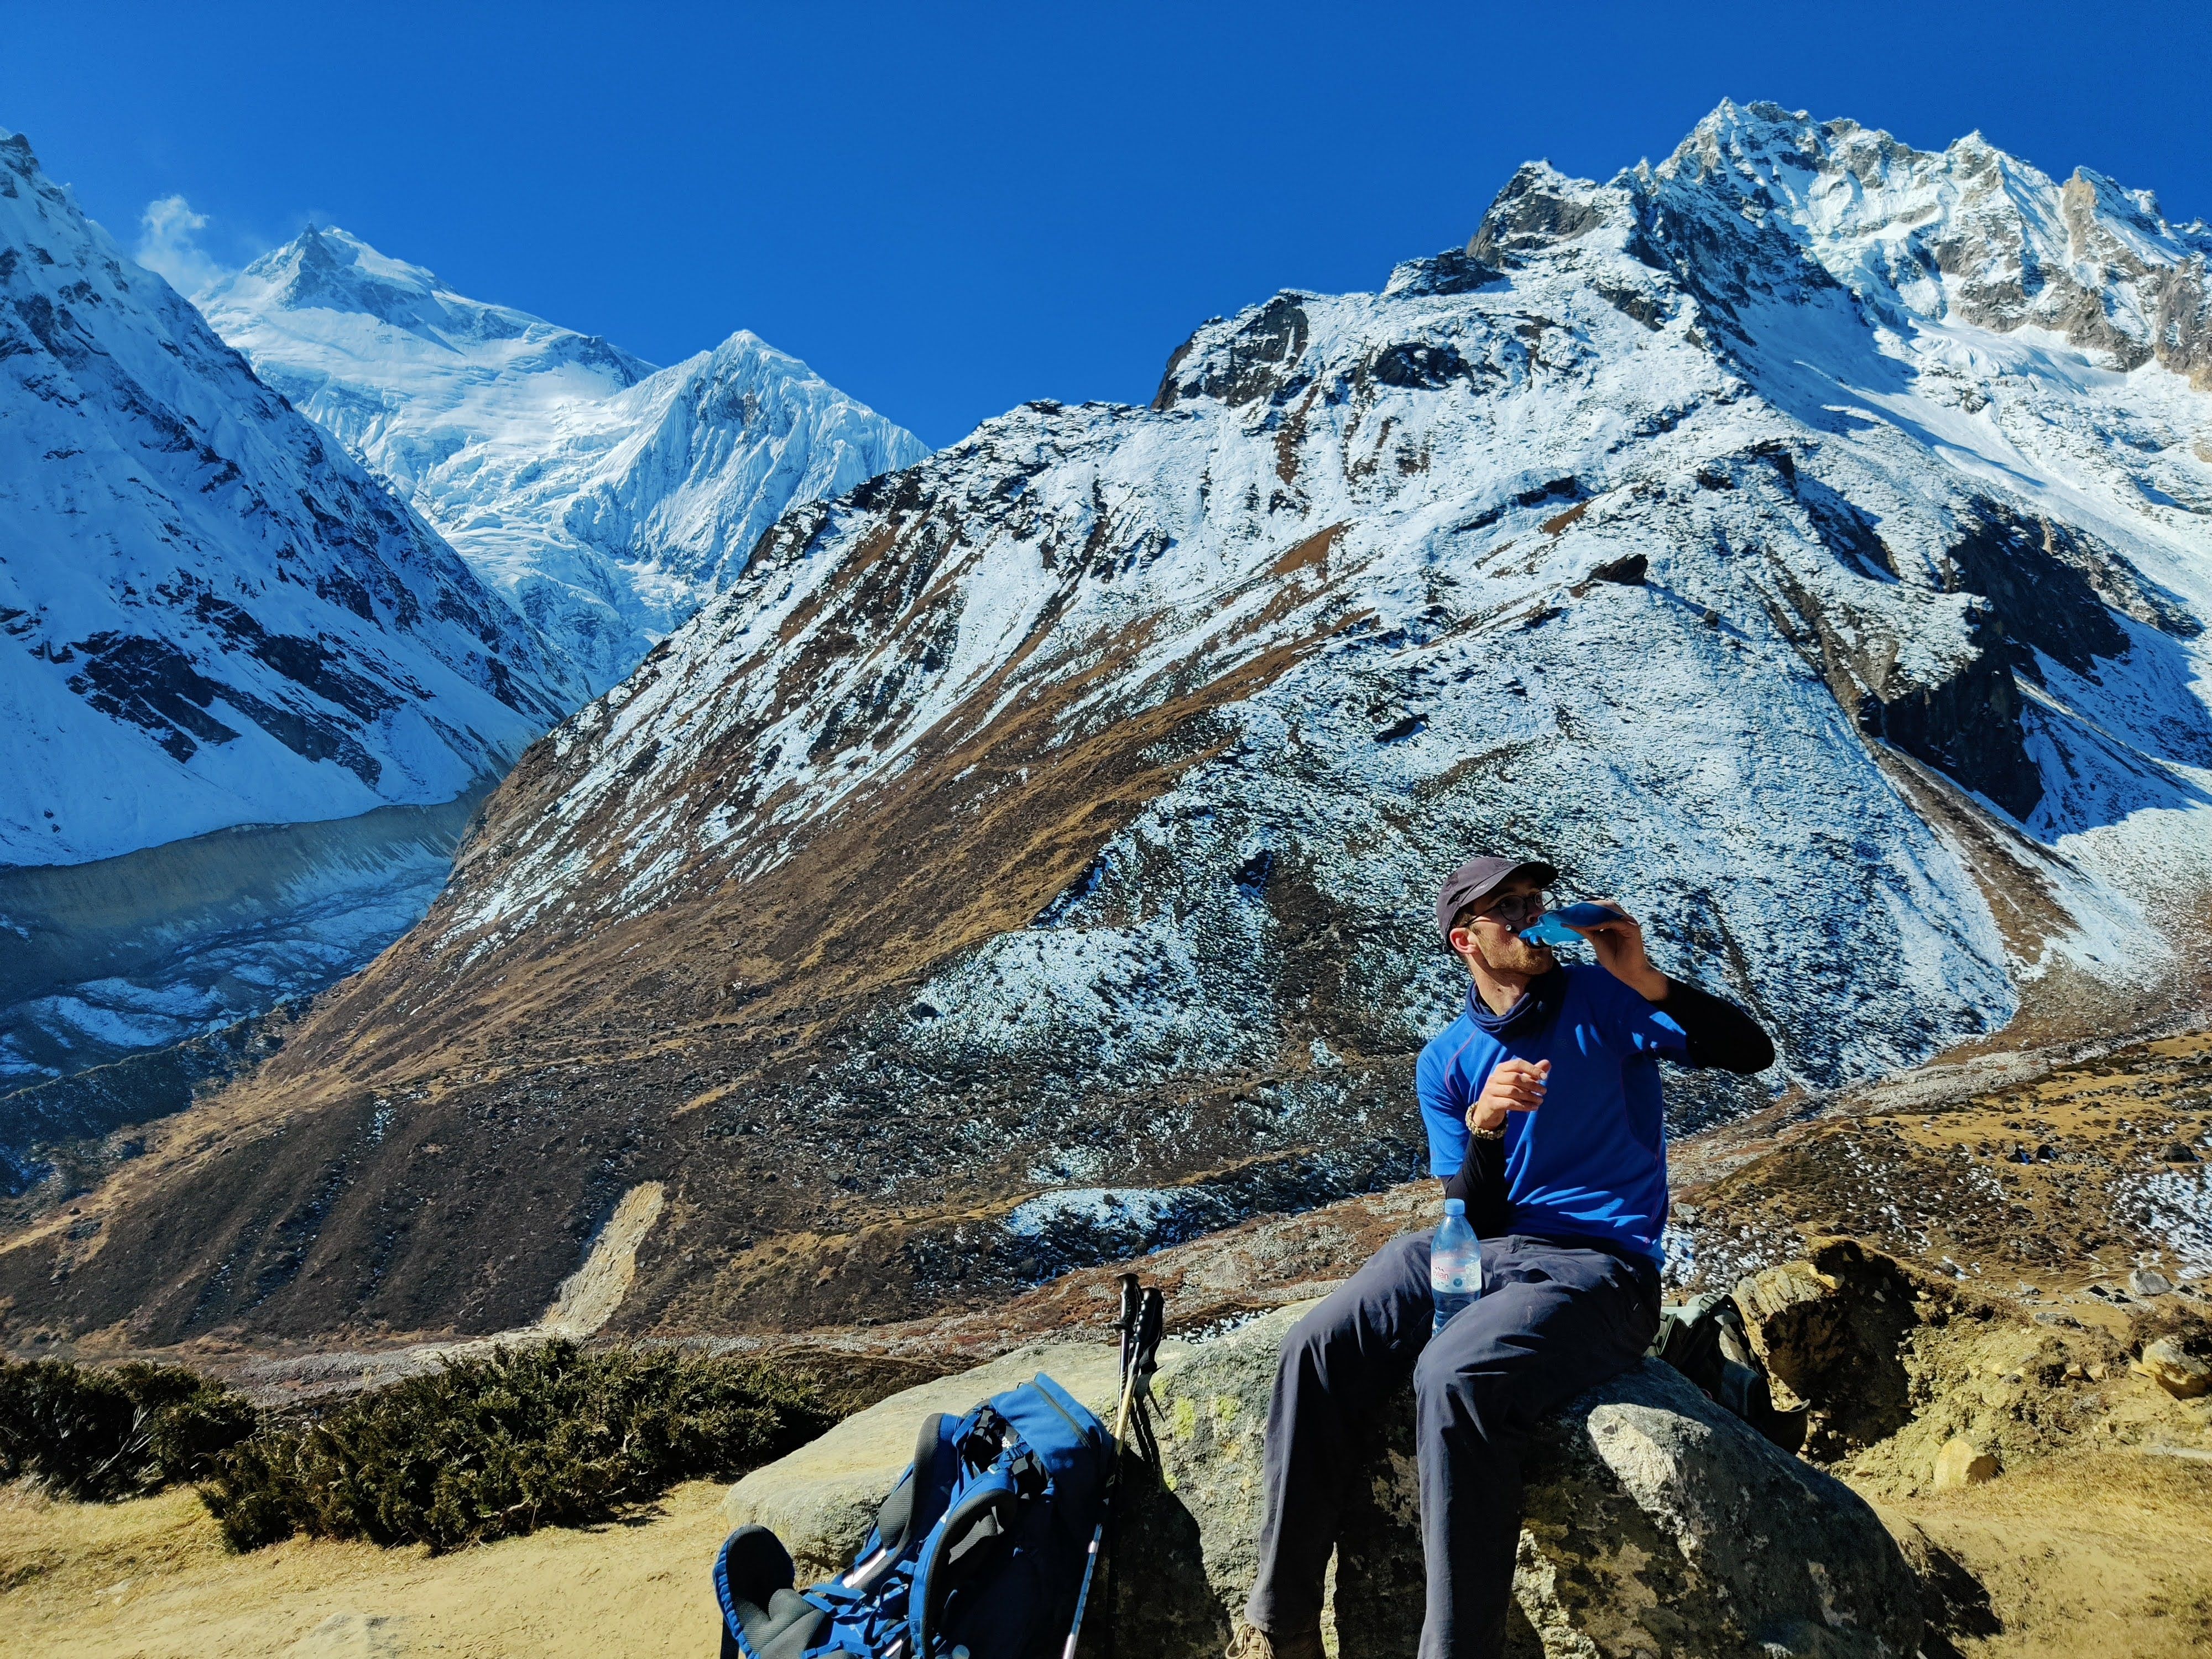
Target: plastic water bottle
(1455,1263)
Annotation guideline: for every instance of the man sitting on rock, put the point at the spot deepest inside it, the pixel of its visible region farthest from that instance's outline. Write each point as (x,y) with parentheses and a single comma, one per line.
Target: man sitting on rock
(1569,1202)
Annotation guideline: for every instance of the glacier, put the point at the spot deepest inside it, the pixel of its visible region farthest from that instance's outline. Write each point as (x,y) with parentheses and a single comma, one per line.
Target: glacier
(607,498)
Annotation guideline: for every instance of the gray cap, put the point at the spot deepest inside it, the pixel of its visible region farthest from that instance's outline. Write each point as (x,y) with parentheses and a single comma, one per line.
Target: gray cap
(1477,879)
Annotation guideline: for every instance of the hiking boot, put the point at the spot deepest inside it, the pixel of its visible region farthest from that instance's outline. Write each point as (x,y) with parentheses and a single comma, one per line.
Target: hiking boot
(1251,1642)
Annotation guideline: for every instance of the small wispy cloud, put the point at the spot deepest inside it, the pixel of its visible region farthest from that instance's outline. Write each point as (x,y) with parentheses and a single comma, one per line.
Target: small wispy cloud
(168,232)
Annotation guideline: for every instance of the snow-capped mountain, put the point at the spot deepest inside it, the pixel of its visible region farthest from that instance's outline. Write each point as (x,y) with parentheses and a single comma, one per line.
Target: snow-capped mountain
(1666,526)
(210,618)
(1807,541)
(608,498)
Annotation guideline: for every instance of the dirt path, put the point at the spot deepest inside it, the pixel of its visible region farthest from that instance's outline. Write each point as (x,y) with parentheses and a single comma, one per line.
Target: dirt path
(151,1578)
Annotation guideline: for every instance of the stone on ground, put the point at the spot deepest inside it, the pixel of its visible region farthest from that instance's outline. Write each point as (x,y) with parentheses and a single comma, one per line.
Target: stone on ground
(1962,1463)
(2149,1282)
(1827,1331)
(2181,1374)
(822,1499)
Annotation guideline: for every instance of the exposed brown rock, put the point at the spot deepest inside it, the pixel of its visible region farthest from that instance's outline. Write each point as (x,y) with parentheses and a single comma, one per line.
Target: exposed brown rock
(2181,1374)
(1962,1463)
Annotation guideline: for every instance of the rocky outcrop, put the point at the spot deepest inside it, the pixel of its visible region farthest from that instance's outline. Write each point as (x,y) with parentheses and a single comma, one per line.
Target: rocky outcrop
(1239,361)
(1828,1330)
(2174,1368)
(1656,1522)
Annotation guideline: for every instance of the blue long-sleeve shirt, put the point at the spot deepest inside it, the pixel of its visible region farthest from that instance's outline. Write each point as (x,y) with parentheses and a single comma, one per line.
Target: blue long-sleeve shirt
(1591,1162)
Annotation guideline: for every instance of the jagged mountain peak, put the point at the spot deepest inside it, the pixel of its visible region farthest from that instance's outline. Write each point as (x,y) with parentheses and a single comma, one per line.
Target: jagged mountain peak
(1970,233)
(607,498)
(329,269)
(1541,208)
(1756,196)
(744,354)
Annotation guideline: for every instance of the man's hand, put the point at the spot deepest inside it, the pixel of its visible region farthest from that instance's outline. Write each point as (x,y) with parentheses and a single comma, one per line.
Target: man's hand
(1516,1086)
(1619,947)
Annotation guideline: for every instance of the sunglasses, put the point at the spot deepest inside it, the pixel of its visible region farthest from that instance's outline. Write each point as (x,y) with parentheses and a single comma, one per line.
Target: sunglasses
(1514,910)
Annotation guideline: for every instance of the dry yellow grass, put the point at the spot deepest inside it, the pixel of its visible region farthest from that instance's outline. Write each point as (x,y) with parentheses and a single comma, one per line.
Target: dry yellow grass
(2087,1555)
(150,1579)
(2084,1555)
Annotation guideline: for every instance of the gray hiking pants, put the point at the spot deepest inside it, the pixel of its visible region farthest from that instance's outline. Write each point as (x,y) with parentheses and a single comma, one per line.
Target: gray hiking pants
(1553,1319)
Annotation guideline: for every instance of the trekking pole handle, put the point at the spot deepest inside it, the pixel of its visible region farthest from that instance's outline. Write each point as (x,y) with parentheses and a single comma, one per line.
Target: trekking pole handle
(1151,1322)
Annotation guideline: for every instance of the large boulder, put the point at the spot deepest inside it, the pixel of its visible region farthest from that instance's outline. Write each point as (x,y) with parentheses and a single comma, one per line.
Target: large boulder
(1656,1524)
(1830,1333)
(822,1499)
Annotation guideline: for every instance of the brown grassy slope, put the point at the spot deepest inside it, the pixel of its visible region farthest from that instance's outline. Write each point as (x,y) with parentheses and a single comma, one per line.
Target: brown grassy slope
(1944,1182)
(1931,1187)
(152,1578)
(2084,1556)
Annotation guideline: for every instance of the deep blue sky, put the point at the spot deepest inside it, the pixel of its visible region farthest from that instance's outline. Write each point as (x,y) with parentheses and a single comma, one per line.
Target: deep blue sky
(948,210)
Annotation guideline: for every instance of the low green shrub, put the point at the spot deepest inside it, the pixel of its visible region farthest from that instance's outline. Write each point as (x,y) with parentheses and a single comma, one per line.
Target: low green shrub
(486,1447)
(99,1433)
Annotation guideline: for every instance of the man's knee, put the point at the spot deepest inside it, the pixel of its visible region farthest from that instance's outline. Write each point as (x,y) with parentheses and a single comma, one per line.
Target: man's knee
(1310,1338)
(1407,1249)
(1455,1395)
(1330,1328)
(1374,1303)
(1487,1366)
(1459,1372)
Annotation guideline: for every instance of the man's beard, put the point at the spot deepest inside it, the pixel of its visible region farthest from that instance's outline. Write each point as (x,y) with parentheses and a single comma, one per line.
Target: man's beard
(1520,956)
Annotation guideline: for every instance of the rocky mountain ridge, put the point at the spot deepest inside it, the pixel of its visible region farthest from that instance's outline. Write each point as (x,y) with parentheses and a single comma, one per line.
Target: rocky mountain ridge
(1025,861)
(608,498)
(214,621)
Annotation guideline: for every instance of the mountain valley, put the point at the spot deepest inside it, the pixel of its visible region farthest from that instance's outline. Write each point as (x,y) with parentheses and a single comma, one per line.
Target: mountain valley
(256,699)
(1022,861)
(215,622)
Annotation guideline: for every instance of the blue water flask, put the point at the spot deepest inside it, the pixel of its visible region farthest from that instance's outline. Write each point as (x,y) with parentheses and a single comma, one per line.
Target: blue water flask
(1556,926)
(1454,1264)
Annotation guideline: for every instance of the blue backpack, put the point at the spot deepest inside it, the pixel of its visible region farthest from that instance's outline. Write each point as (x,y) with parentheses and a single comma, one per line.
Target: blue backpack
(978,1553)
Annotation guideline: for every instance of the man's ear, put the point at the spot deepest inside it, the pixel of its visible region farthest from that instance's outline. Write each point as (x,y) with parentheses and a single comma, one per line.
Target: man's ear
(1461,940)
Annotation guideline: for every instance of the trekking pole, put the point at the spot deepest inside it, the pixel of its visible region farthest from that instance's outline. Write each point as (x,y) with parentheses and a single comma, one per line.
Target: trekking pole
(1151,1323)
(1132,1311)
(1128,1325)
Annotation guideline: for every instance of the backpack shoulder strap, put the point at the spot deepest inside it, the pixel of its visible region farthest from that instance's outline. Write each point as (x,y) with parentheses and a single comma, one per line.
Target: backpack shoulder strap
(983,1512)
